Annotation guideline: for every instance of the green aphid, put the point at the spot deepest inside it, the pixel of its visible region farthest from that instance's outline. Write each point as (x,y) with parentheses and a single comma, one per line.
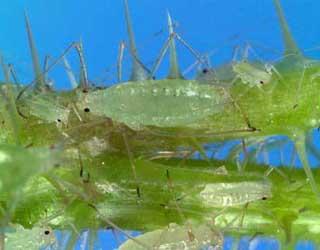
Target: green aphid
(163,103)
(190,236)
(46,107)
(234,194)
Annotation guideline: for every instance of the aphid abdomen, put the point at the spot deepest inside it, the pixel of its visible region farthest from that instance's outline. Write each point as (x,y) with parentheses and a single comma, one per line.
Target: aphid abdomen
(165,103)
(233,194)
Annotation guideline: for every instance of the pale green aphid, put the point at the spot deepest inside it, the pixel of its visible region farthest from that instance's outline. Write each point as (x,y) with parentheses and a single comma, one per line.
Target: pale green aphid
(191,236)
(31,239)
(45,107)
(233,194)
(251,75)
(163,103)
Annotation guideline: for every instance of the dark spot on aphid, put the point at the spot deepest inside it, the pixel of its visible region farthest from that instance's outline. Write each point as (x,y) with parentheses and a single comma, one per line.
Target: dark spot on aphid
(205,71)
(58,120)
(138,192)
(261,82)
(264,198)
(87,110)
(46,232)
(85,91)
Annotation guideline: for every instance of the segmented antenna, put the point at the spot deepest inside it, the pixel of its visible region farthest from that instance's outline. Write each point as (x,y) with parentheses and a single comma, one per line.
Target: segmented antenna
(174,72)
(40,84)
(289,42)
(139,72)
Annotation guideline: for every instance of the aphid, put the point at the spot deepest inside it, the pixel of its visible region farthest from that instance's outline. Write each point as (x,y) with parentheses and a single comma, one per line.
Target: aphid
(176,237)
(165,103)
(252,73)
(234,194)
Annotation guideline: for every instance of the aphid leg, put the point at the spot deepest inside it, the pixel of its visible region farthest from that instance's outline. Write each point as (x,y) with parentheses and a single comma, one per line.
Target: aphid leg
(300,145)
(113,225)
(84,82)
(169,44)
(120,60)
(13,73)
(11,112)
(244,210)
(245,155)
(133,166)
(202,152)
(183,218)
(69,72)
(272,169)
(243,114)
(5,70)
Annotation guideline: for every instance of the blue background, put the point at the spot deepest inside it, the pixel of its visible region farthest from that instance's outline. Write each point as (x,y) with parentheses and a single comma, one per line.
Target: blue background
(206,24)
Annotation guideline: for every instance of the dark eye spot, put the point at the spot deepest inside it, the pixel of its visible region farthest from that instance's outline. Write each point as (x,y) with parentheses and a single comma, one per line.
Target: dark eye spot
(46,232)
(58,120)
(87,110)
(261,82)
(264,198)
(205,71)
(85,91)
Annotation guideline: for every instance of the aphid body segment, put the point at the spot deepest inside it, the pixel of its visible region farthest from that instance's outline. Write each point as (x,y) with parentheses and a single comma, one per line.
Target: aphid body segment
(163,103)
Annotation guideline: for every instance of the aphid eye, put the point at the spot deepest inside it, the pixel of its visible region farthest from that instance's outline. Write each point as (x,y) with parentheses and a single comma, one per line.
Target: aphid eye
(85,91)
(87,110)
(205,71)
(58,120)
(46,232)
(261,82)
(264,198)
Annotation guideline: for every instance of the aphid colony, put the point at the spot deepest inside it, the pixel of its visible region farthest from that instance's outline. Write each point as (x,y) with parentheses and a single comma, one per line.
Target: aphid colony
(96,153)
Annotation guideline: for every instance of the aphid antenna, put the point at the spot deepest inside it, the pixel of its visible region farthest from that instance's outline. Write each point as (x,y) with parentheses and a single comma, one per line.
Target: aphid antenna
(133,166)
(84,82)
(291,47)
(70,74)
(40,82)
(120,60)
(139,72)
